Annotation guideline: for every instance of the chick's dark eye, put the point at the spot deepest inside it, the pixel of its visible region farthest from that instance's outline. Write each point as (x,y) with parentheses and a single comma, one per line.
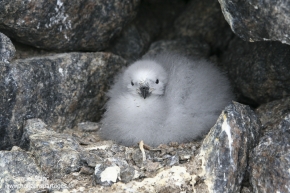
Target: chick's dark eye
(157,81)
(132,83)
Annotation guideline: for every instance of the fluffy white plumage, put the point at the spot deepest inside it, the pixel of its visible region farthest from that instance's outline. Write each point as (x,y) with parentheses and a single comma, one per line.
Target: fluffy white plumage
(165,98)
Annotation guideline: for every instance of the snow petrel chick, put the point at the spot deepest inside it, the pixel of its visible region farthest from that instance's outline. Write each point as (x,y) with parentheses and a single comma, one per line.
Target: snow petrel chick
(165,98)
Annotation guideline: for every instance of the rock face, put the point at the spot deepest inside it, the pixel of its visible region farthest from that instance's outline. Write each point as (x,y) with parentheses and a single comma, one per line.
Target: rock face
(270,160)
(258,20)
(225,151)
(259,71)
(7,49)
(66,24)
(63,90)
(204,20)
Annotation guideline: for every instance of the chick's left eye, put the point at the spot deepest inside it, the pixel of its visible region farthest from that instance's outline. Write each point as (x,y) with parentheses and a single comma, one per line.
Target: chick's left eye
(157,81)
(132,83)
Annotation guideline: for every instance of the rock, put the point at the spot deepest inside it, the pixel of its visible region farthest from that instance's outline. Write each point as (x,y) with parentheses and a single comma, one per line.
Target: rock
(66,24)
(270,160)
(88,126)
(33,126)
(225,150)
(19,172)
(258,20)
(204,20)
(57,154)
(170,180)
(185,46)
(272,113)
(63,90)
(259,71)
(7,49)
(135,39)
(68,166)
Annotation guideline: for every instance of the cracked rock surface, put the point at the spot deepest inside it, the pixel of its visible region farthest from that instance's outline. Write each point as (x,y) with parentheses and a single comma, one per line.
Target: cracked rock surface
(67,25)
(259,71)
(258,20)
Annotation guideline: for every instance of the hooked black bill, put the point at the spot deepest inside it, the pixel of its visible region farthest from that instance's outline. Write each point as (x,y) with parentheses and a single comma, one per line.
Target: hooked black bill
(144,91)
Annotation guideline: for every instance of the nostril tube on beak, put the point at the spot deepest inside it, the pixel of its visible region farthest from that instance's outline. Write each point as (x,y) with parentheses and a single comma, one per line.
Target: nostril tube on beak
(144,91)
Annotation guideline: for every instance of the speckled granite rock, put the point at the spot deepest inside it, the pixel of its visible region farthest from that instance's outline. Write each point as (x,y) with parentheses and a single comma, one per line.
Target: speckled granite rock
(66,24)
(62,89)
(57,154)
(258,20)
(19,172)
(7,49)
(184,46)
(270,160)
(259,71)
(272,113)
(135,39)
(204,20)
(225,150)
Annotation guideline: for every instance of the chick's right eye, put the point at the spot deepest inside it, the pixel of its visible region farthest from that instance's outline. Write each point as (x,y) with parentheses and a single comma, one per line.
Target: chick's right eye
(132,83)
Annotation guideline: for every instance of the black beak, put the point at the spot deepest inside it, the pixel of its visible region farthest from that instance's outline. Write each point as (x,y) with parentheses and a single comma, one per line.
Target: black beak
(144,91)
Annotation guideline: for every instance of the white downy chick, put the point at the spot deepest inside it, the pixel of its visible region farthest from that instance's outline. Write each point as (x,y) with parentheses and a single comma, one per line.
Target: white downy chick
(166,98)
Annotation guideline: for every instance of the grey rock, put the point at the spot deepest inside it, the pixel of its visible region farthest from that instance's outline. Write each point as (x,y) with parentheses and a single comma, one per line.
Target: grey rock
(172,160)
(19,171)
(88,126)
(204,20)
(186,46)
(225,150)
(66,24)
(258,20)
(7,49)
(259,71)
(91,159)
(135,39)
(246,190)
(33,126)
(127,174)
(57,154)
(137,157)
(63,90)
(272,113)
(270,160)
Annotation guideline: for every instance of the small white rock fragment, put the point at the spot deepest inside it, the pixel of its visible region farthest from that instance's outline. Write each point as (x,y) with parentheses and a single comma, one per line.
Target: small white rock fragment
(110,174)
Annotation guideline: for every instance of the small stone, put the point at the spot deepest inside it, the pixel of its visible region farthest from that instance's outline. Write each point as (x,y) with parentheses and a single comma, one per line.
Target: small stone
(88,126)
